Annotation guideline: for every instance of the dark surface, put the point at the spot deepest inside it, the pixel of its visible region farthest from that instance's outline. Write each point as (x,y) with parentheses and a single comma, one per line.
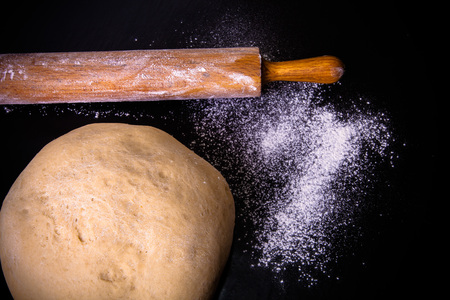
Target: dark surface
(386,50)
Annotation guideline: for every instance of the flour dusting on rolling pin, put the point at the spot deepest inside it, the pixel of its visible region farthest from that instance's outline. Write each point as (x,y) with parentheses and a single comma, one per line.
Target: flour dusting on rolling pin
(151,75)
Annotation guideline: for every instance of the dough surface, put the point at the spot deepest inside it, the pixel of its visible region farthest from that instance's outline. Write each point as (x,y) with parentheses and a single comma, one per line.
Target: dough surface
(116,211)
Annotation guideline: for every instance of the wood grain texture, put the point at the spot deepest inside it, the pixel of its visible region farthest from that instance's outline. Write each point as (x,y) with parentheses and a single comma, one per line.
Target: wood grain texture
(129,75)
(321,69)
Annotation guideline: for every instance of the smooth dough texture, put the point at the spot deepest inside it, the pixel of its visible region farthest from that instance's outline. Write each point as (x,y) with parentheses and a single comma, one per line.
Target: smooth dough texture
(116,211)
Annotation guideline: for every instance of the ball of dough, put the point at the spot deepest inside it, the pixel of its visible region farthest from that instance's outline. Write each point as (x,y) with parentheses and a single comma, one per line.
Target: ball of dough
(116,211)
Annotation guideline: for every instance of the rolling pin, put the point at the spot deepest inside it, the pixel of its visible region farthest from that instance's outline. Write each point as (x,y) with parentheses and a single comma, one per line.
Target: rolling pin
(151,75)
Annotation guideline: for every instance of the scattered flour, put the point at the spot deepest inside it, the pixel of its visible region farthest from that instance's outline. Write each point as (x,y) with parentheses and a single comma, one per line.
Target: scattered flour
(296,164)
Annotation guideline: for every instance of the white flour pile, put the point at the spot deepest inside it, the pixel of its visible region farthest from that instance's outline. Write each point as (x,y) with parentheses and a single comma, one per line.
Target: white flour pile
(302,169)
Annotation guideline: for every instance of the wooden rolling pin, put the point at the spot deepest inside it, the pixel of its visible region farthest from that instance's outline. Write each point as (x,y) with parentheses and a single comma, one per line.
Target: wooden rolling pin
(151,75)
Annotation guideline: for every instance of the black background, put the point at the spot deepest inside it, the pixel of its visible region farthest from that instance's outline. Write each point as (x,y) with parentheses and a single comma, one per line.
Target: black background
(389,53)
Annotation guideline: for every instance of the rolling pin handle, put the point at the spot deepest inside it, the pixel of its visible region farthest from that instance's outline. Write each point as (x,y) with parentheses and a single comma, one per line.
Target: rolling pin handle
(321,69)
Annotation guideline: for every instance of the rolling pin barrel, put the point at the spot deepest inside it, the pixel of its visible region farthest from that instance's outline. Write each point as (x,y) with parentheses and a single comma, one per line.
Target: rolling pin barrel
(150,75)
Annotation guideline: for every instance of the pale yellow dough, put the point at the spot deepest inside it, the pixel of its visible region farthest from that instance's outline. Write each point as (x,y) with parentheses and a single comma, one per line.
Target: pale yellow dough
(116,211)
